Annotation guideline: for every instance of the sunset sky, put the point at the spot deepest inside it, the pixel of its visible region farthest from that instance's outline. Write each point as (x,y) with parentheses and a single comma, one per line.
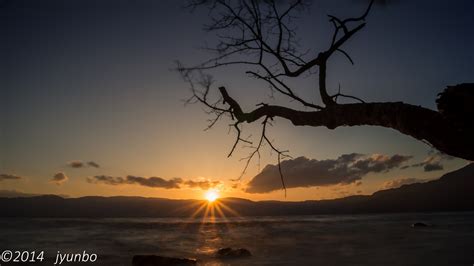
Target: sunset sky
(90,104)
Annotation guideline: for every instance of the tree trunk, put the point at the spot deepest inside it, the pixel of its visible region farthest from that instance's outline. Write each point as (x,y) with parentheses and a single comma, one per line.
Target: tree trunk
(421,123)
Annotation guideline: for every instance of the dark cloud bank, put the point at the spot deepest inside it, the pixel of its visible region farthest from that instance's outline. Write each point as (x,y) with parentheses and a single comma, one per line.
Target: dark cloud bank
(304,172)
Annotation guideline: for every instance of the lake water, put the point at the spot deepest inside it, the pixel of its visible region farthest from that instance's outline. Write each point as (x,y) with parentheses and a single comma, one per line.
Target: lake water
(298,240)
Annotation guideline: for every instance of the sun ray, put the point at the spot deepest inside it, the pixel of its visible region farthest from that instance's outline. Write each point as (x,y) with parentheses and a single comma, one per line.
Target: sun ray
(220,212)
(211,209)
(205,214)
(227,208)
(199,210)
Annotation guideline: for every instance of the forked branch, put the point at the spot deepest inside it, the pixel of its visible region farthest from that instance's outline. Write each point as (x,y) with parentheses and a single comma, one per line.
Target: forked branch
(261,36)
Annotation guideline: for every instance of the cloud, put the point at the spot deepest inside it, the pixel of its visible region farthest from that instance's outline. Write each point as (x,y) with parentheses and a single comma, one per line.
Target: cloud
(204,184)
(75,164)
(9,177)
(433,167)
(433,162)
(81,164)
(396,183)
(380,163)
(155,182)
(59,178)
(304,172)
(108,180)
(93,164)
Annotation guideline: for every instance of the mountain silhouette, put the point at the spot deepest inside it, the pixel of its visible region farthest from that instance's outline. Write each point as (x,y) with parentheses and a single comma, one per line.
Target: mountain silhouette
(454,191)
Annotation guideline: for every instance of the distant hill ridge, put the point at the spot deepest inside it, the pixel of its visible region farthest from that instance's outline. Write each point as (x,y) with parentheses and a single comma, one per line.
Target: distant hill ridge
(454,191)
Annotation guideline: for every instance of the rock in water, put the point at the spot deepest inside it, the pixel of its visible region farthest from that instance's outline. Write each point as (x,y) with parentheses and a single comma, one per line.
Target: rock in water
(233,253)
(153,260)
(419,225)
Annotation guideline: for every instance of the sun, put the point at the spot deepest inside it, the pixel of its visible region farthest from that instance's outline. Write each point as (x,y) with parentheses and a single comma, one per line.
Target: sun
(211,195)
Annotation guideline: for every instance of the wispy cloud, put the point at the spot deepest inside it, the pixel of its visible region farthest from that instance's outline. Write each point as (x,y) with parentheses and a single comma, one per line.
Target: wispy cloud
(108,180)
(93,164)
(202,184)
(9,177)
(154,182)
(81,164)
(75,164)
(304,172)
(433,162)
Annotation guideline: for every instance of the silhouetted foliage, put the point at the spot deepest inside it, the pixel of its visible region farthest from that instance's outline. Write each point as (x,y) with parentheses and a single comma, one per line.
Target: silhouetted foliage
(456,103)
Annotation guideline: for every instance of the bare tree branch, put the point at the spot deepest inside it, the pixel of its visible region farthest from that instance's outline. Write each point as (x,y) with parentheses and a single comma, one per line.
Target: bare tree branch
(260,36)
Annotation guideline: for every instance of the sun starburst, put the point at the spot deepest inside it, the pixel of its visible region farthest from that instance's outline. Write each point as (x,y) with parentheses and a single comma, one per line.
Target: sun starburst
(211,195)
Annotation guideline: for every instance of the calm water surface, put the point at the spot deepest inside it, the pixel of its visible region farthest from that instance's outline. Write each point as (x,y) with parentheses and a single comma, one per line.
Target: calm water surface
(298,240)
